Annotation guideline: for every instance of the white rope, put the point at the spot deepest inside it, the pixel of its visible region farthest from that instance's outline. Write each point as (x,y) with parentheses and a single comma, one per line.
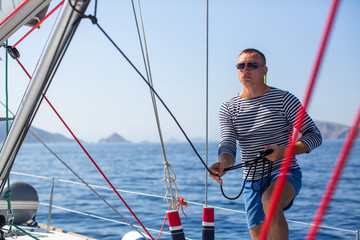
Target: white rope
(168,181)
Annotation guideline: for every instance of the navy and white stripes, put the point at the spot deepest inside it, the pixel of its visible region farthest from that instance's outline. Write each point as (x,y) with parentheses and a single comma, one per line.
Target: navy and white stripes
(261,121)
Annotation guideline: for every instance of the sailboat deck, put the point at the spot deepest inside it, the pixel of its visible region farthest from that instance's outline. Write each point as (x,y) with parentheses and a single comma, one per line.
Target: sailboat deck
(41,232)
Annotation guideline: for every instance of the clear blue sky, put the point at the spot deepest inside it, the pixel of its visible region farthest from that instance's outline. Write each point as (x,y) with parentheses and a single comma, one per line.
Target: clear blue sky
(98,93)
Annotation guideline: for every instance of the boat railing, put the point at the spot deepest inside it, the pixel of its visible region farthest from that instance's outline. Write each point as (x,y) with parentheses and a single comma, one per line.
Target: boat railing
(50,205)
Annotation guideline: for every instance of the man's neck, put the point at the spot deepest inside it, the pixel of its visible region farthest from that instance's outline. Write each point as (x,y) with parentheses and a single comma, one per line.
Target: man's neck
(251,92)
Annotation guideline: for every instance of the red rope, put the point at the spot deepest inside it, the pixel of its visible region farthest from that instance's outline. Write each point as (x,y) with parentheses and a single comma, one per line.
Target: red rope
(181,203)
(41,21)
(350,137)
(14,11)
(22,66)
(89,156)
(97,167)
(299,119)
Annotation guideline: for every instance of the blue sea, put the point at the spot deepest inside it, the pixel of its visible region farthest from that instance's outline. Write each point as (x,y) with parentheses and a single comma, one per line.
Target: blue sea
(138,167)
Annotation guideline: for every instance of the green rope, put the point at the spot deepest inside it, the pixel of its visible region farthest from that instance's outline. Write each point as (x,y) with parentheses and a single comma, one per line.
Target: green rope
(24,231)
(6,88)
(7,195)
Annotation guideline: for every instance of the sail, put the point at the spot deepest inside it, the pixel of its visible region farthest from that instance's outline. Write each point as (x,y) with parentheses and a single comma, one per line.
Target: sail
(17,13)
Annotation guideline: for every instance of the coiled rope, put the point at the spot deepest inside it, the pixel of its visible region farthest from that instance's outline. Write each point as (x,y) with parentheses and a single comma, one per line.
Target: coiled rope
(260,159)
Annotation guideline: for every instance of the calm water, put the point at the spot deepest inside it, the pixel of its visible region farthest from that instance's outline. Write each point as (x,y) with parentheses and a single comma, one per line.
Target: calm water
(139,168)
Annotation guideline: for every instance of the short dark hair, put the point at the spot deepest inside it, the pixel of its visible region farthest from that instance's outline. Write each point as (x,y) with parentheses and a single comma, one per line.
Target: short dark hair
(253,50)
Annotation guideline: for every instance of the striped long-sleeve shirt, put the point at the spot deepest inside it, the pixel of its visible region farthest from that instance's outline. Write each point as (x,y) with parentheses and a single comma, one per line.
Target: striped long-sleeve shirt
(265,120)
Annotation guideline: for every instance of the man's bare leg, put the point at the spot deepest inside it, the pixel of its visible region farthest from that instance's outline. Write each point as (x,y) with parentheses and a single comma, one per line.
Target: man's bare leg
(278,229)
(255,231)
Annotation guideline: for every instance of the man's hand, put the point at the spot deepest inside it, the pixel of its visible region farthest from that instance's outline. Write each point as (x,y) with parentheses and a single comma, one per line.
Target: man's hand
(217,168)
(277,154)
(279,151)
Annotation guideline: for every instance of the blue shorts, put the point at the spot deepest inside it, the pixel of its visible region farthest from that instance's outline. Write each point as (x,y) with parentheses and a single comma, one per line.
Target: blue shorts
(253,206)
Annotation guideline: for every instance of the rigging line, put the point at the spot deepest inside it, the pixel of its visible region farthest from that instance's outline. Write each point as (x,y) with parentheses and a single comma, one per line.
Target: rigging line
(26,128)
(151,82)
(93,216)
(94,21)
(298,122)
(140,40)
(152,89)
(95,8)
(6,87)
(167,165)
(350,137)
(51,76)
(149,77)
(40,22)
(207,102)
(100,217)
(7,195)
(88,155)
(83,181)
(56,66)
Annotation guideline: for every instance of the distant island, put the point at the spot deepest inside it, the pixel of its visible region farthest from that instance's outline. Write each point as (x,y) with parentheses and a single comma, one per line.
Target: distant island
(329,131)
(332,131)
(43,135)
(114,138)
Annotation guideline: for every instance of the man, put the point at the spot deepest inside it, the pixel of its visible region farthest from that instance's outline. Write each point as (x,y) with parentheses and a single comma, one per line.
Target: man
(259,118)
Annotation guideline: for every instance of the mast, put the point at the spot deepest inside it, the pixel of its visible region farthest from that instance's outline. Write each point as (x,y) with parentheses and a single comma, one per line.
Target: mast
(62,32)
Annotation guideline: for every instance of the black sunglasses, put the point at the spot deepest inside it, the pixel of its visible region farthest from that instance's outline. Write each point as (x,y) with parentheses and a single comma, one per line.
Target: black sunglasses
(250,65)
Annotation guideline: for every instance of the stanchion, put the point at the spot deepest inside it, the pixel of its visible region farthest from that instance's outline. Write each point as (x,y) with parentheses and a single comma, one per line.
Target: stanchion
(208,225)
(176,229)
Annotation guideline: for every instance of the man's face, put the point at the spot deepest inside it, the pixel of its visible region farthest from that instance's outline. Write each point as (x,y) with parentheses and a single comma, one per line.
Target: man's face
(250,73)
